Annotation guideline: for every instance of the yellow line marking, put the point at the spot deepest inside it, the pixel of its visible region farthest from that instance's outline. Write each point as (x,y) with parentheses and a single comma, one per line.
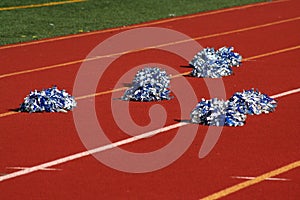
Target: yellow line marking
(249,28)
(40,5)
(147,48)
(272,53)
(8,113)
(143,25)
(42,169)
(248,183)
(41,68)
(174,76)
(100,93)
(120,89)
(182,74)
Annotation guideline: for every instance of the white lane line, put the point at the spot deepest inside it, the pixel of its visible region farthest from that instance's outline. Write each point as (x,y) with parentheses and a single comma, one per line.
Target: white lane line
(44,169)
(268,179)
(109,146)
(89,152)
(285,93)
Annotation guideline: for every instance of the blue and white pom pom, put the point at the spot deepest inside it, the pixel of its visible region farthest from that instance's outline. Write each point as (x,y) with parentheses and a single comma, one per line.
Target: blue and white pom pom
(233,59)
(216,112)
(233,117)
(209,63)
(253,102)
(149,84)
(49,100)
(233,112)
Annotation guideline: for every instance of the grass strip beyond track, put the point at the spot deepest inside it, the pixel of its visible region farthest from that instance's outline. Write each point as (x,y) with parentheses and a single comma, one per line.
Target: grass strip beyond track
(40,5)
(20,25)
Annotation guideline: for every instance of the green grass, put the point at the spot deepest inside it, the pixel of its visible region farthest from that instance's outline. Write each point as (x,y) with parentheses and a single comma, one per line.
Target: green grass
(44,22)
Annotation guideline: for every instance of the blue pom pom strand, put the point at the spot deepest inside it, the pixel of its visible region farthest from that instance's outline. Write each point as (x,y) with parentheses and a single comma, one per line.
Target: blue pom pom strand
(209,63)
(216,112)
(49,100)
(209,112)
(233,117)
(149,84)
(253,102)
(233,59)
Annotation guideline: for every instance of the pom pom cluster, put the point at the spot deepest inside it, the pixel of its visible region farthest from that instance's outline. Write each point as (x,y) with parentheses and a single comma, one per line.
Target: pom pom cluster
(49,100)
(211,63)
(233,112)
(216,112)
(253,102)
(149,84)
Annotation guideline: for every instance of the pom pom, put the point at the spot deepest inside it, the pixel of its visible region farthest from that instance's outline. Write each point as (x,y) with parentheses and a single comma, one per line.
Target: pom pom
(233,117)
(253,102)
(149,84)
(231,58)
(209,63)
(233,112)
(49,100)
(217,112)
(209,112)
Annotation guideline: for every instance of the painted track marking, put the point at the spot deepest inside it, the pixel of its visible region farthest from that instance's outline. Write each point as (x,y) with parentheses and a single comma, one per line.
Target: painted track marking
(267,179)
(41,5)
(110,146)
(148,48)
(144,24)
(286,93)
(44,169)
(8,113)
(251,182)
(89,152)
(272,53)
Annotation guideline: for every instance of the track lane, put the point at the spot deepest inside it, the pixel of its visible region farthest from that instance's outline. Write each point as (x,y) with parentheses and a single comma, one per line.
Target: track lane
(227,158)
(57,146)
(224,161)
(230,83)
(68,50)
(66,76)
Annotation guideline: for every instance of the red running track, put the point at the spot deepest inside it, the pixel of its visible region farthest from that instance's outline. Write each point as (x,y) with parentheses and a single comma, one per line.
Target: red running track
(265,143)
